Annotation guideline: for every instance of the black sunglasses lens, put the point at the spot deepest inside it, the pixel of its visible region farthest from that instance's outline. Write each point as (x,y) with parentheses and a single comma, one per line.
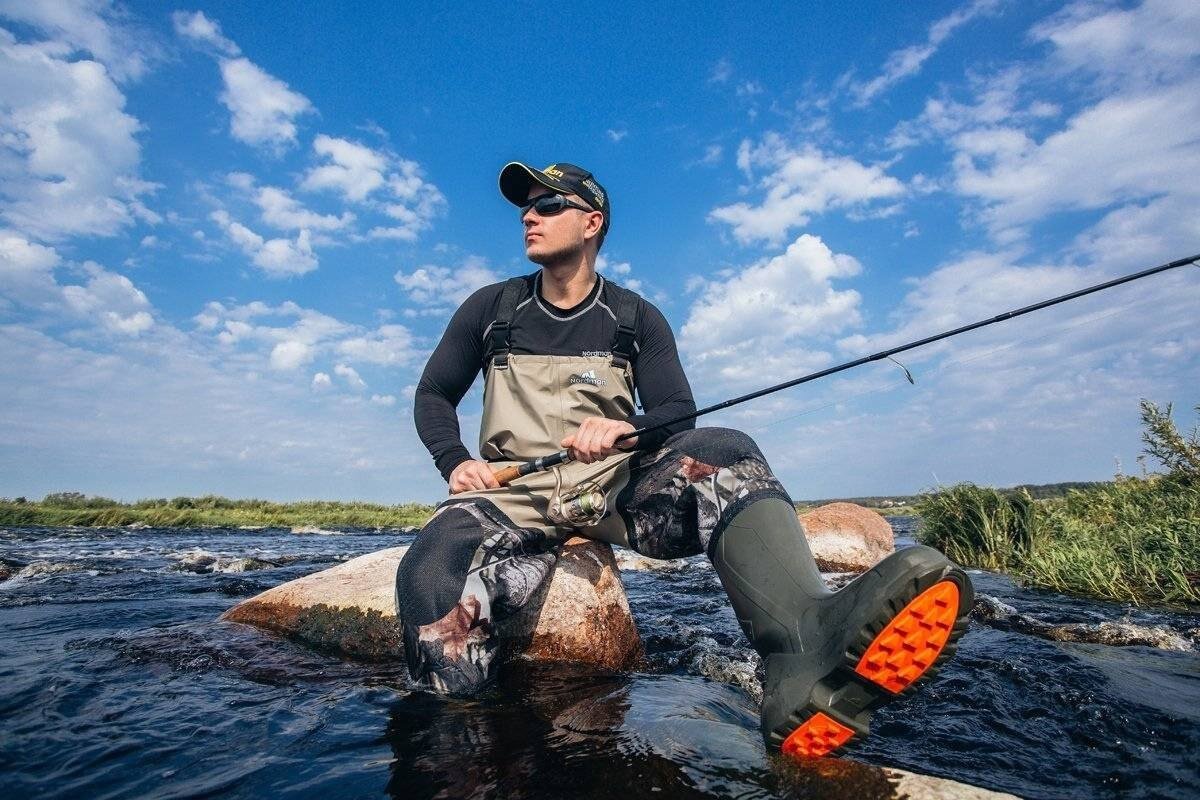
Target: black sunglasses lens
(546,205)
(550,204)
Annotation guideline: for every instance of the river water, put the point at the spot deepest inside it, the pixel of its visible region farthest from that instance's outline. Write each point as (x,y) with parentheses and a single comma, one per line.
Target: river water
(118,682)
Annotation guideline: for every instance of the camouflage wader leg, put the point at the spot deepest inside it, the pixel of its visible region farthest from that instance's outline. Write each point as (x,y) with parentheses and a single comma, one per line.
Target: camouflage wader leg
(471,567)
(680,497)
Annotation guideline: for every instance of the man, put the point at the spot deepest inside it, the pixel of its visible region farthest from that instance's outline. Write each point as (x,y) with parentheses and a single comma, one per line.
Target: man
(563,353)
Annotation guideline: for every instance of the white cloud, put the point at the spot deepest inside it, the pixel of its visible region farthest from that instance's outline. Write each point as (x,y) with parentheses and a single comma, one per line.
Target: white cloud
(444,286)
(798,183)
(283,211)
(291,354)
(350,376)
(622,273)
(26,270)
(275,257)
(321,381)
(170,413)
(199,28)
(387,345)
(353,170)
(91,26)
(1151,42)
(257,325)
(760,322)
(385,400)
(908,61)
(1133,69)
(112,300)
(68,154)
(263,108)
(360,174)
(617,134)
(107,300)
(1115,151)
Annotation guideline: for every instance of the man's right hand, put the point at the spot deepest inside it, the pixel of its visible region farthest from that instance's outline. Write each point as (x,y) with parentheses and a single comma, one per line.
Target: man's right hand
(471,475)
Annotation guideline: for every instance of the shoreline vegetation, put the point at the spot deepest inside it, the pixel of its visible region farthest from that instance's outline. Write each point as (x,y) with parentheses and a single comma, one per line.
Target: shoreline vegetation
(67,509)
(74,509)
(1135,540)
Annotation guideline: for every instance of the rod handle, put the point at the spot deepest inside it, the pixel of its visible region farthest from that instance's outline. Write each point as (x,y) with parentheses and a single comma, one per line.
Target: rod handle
(506,475)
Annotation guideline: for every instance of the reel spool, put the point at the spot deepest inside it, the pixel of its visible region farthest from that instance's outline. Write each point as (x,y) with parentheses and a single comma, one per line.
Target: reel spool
(580,506)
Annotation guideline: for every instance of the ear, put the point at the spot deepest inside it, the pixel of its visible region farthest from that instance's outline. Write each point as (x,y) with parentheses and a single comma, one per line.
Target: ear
(593,224)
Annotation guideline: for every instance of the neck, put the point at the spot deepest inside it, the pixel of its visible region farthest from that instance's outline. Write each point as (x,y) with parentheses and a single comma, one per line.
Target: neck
(566,284)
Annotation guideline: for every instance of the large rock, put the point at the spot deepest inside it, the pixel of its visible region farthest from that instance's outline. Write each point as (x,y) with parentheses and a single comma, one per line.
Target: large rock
(581,615)
(845,537)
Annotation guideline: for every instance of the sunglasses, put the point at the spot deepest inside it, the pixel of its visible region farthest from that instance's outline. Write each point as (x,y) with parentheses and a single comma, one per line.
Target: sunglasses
(547,205)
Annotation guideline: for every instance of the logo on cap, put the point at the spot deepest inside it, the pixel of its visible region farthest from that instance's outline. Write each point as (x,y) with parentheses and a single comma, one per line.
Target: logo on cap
(596,191)
(553,170)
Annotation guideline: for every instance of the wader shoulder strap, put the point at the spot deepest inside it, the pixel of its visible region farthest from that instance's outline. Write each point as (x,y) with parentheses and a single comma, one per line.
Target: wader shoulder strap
(623,340)
(499,342)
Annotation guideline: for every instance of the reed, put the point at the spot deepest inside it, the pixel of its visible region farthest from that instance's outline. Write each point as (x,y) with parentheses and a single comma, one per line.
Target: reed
(1136,539)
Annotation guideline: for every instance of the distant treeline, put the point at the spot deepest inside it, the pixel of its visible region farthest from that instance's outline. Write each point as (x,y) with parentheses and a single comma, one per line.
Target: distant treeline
(75,508)
(1040,491)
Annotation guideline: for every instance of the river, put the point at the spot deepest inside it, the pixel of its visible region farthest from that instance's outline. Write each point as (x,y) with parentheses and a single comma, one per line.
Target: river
(118,682)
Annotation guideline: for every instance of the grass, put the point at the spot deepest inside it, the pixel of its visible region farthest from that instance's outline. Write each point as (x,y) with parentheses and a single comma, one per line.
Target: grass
(1134,540)
(72,508)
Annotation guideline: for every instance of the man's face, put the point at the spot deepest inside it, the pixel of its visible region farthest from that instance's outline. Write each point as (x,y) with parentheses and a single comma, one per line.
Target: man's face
(558,236)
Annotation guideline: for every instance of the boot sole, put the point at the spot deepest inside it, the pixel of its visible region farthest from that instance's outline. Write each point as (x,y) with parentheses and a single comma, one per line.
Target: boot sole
(914,634)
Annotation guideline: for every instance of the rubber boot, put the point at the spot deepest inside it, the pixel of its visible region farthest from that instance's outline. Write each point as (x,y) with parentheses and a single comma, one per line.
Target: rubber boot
(833,658)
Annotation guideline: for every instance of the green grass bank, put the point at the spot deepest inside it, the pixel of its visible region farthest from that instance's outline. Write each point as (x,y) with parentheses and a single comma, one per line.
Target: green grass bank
(1135,539)
(72,508)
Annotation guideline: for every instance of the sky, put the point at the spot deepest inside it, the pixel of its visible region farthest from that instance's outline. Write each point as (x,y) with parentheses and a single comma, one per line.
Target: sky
(232,233)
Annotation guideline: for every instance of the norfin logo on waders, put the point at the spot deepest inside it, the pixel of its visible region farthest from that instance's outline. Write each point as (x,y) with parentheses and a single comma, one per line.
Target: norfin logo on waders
(587,377)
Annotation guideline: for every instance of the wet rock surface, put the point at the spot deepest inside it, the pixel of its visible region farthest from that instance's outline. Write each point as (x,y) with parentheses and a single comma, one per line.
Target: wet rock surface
(845,537)
(10,567)
(582,614)
(998,614)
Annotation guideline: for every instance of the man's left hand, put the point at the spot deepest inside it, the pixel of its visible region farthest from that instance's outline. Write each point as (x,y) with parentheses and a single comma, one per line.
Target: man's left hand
(594,441)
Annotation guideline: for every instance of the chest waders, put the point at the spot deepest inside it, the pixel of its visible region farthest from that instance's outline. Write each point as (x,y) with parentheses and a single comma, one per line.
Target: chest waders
(532,402)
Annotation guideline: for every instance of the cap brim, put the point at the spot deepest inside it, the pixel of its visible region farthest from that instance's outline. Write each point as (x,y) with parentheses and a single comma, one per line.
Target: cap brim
(516,178)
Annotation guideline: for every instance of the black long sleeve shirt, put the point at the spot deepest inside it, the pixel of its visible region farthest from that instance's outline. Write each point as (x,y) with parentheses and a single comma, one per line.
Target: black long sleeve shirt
(540,328)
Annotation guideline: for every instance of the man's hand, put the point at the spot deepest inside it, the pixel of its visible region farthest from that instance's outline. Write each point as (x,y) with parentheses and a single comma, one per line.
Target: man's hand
(594,441)
(472,475)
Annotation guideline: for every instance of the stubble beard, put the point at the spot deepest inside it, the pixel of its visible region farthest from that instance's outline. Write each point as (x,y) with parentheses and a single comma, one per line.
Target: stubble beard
(565,255)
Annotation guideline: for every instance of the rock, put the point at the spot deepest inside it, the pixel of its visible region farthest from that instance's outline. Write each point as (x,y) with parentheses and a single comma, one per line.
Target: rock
(583,613)
(845,537)
(926,787)
(10,567)
(633,561)
(314,530)
(997,614)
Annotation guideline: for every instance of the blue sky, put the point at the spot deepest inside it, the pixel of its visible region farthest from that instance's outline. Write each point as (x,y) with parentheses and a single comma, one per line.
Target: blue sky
(231,233)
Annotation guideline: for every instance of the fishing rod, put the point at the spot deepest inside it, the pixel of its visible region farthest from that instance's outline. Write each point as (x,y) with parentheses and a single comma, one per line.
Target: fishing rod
(543,463)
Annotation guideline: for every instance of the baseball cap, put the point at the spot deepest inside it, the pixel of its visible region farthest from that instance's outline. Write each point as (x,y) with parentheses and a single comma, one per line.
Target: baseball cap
(516,178)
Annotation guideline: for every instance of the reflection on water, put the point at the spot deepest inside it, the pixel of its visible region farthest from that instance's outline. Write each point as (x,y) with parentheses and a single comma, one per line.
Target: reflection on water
(118,682)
